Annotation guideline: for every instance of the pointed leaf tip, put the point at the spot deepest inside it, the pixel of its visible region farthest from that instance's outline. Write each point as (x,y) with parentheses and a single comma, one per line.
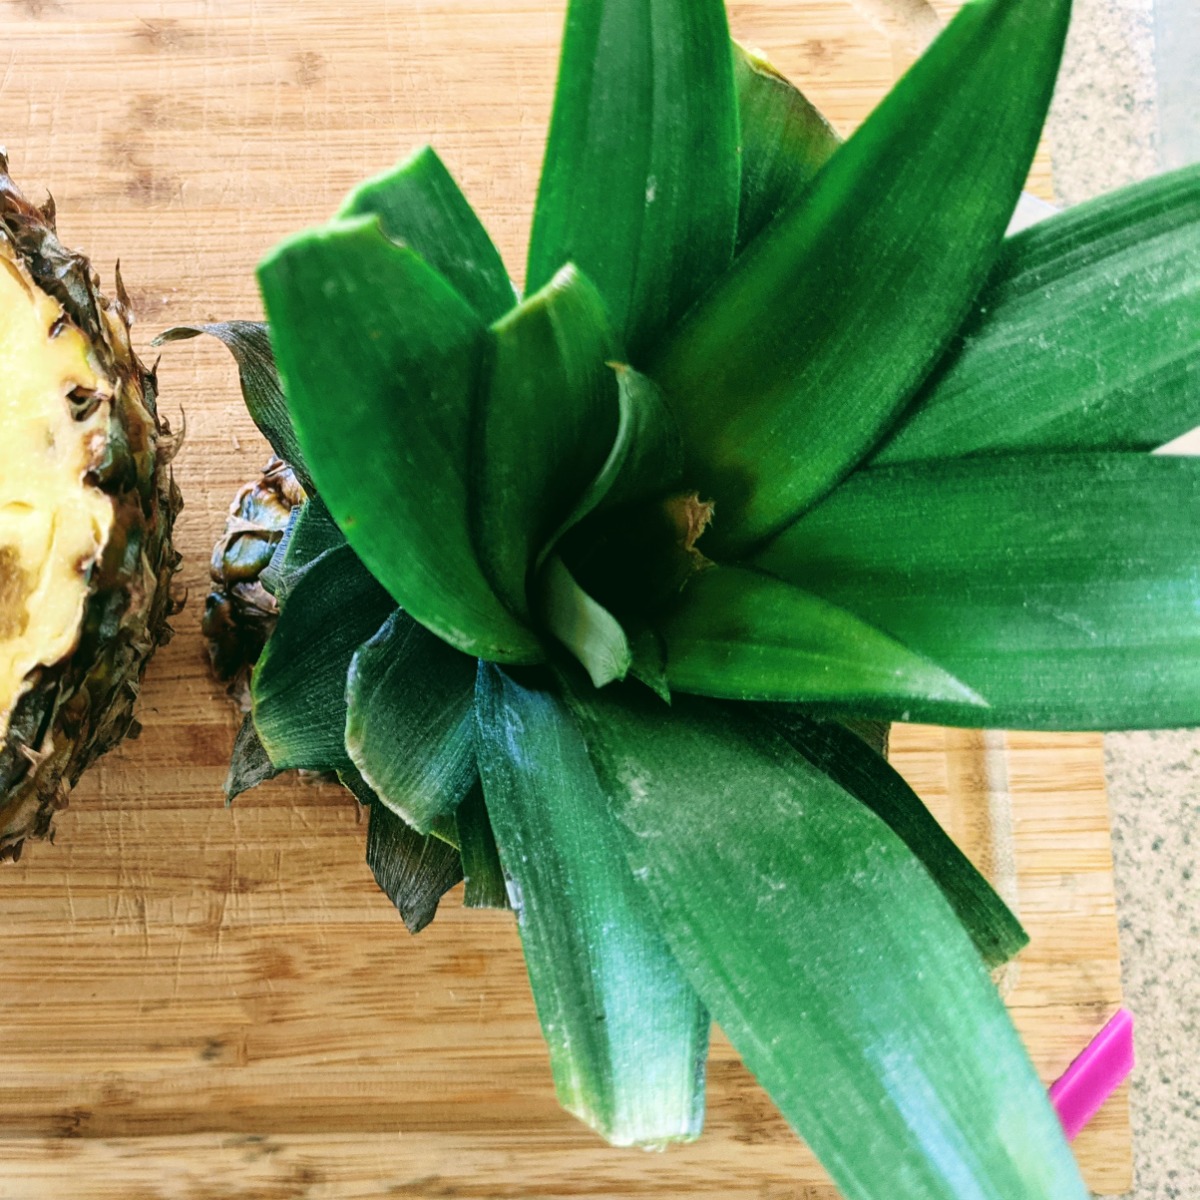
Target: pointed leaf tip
(627,1035)
(741,634)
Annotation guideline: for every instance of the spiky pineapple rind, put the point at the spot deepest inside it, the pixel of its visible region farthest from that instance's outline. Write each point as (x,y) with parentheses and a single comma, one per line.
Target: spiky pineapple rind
(82,705)
(240,612)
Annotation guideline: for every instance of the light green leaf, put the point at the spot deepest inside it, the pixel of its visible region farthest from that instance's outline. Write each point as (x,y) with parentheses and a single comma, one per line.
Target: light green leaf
(842,755)
(640,182)
(419,203)
(586,628)
(410,720)
(483,876)
(413,871)
(794,364)
(1064,589)
(785,142)
(627,1036)
(829,958)
(743,635)
(298,687)
(546,427)
(380,360)
(1084,339)
(250,344)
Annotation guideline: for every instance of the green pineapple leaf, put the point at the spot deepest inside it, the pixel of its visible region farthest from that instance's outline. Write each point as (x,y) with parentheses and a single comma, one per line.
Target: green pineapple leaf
(1040,366)
(646,458)
(791,368)
(876,734)
(419,203)
(584,626)
(413,871)
(742,634)
(547,422)
(828,957)
(784,142)
(250,344)
(853,765)
(639,186)
(310,532)
(249,763)
(627,1035)
(410,720)
(368,332)
(509,479)
(1063,588)
(298,687)
(483,876)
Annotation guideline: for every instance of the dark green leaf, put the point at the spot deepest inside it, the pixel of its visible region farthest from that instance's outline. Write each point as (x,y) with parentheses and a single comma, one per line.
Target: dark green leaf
(314,532)
(380,360)
(1085,338)
(356,785)
(646,458)
(419,203)
(483,875)
(744,635)
(445,828)
(272,574)
(649,665)
(790,369)
(875,734)
(250,344)
(410,720)
(1063,589)
(852,764)
(299,683)
(785,142)
(546,426)
(828,957)
(414,871)
(249,764)
(311,531)
(585,627)
(627,1036)
(640,182)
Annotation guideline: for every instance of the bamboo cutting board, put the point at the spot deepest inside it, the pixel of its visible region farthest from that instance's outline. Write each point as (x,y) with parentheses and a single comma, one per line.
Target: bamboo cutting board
(200,1003)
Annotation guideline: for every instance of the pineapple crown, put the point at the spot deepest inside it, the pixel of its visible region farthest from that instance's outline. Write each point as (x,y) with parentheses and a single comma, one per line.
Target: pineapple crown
(924,451)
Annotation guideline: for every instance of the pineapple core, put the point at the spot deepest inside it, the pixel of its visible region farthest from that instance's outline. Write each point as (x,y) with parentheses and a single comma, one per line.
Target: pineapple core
(53,522)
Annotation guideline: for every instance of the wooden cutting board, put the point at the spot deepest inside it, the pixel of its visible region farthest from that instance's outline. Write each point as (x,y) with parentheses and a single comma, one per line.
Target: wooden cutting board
(198,1002)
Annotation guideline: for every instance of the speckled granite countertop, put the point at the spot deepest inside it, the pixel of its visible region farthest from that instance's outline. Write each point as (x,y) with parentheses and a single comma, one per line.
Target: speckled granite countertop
(1127,106)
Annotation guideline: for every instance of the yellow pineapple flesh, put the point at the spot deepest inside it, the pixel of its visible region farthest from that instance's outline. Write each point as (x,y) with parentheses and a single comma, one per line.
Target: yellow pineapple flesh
(87,503)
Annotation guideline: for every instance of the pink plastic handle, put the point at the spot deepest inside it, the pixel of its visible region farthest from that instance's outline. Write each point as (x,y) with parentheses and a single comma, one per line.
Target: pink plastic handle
(1089,1081)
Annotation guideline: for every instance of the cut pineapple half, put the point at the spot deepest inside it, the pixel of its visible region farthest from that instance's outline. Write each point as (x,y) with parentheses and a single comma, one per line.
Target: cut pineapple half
(54,522)
(87,503)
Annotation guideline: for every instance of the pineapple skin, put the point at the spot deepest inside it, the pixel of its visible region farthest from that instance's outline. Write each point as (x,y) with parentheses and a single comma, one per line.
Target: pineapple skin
(82,705)
(239,612)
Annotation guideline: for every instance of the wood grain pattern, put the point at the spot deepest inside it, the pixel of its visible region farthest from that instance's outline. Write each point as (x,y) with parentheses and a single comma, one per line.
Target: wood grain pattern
(199,1002)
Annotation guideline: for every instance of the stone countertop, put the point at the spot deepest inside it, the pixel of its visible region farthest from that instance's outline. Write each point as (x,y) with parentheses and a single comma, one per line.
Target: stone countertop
(1127,107)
